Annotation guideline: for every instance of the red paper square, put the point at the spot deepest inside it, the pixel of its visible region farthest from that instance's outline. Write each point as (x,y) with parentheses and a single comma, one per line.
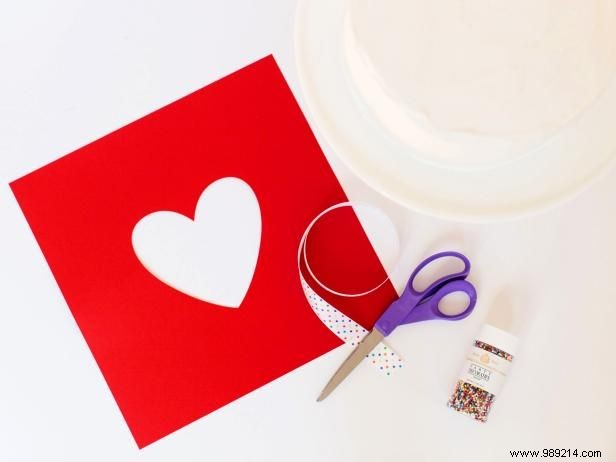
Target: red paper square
(168,358)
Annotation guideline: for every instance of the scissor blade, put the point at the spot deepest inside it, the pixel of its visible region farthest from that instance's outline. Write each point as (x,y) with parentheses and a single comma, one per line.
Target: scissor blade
(366,346)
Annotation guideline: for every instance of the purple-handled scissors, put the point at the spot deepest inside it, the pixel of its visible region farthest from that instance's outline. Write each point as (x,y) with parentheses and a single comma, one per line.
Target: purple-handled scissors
(412,306)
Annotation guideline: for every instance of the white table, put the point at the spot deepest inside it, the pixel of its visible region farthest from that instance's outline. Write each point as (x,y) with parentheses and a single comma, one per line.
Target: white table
(72,71)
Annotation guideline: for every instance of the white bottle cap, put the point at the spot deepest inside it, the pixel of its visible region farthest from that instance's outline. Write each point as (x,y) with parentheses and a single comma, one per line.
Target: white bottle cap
(498,338)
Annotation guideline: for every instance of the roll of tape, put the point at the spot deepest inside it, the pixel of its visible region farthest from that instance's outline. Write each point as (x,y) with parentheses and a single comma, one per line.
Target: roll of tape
(383,357)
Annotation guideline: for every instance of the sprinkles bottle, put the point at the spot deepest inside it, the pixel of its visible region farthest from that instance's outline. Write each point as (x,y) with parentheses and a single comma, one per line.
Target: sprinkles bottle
(484,372)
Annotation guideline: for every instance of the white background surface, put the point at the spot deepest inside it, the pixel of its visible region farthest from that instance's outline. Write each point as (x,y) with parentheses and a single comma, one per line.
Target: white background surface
(71,71)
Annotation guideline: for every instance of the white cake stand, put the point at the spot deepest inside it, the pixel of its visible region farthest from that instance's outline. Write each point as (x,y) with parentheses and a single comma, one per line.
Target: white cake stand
(529,183)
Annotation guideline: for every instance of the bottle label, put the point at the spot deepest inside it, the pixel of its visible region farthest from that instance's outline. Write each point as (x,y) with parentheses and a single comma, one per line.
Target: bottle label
(485,370)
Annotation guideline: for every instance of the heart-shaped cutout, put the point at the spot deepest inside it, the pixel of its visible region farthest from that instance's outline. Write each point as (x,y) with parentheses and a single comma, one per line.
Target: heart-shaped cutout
(211,258)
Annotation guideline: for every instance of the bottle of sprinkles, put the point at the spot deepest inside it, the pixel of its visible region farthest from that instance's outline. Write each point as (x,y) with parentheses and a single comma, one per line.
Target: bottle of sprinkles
(484,372)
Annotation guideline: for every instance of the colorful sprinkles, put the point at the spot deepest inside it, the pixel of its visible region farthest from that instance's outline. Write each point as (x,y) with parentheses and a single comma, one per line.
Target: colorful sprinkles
(470,399)
(493,350)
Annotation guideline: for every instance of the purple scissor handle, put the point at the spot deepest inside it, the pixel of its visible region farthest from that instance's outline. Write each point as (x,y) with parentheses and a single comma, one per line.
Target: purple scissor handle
(416,306)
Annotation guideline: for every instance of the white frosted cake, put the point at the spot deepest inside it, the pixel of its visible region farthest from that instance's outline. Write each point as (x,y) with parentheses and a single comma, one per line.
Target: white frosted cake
(474,83)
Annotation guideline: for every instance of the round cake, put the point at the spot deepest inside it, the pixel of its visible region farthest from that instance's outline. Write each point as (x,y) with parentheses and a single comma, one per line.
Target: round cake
(475,83)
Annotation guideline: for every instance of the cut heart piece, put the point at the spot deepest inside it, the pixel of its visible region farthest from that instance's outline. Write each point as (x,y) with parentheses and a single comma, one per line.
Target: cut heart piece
(211,258)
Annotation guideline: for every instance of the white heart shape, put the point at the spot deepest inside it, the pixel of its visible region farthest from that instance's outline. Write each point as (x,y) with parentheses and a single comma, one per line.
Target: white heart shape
(211,258)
